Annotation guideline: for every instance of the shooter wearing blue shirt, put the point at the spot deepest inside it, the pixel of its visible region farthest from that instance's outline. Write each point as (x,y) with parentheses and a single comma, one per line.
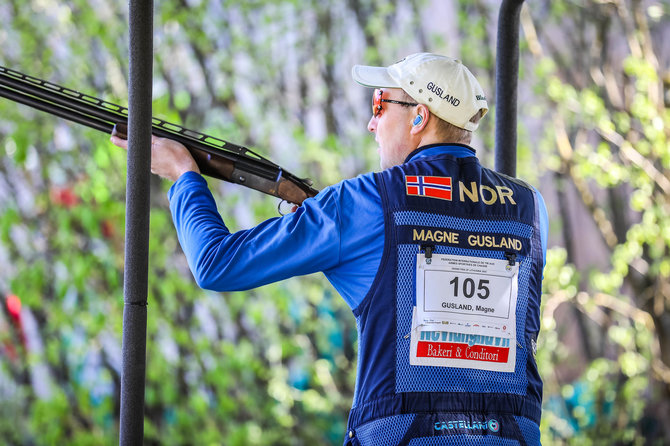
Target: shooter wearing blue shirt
(439,258)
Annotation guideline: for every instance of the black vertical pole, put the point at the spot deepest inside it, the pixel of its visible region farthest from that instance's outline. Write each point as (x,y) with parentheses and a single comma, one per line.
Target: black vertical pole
(507,79)
(137,224)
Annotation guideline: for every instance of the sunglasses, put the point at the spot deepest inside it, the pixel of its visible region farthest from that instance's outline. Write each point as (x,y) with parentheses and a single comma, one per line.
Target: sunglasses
(377,99)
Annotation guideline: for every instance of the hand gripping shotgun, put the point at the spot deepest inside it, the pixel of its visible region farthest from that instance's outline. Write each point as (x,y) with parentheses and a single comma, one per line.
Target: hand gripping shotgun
(215,157)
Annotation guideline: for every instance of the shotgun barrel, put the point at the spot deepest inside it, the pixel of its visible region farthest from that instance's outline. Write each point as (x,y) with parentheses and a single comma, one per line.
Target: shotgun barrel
(215,157)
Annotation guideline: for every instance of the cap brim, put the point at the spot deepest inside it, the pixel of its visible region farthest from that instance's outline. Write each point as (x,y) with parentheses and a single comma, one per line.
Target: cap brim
(375,77)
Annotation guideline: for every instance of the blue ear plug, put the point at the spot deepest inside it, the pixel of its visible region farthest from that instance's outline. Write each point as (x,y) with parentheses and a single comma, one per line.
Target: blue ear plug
(418,120)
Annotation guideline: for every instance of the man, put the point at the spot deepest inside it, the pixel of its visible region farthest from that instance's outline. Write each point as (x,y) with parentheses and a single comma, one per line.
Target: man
(439,259)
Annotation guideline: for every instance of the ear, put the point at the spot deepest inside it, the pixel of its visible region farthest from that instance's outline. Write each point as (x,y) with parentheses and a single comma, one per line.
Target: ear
(420,120)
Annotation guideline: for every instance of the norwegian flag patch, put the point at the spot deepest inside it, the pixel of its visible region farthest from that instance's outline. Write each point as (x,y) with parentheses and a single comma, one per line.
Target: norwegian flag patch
(428,186)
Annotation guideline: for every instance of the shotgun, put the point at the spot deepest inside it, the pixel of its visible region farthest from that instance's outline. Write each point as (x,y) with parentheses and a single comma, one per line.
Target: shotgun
(215,157)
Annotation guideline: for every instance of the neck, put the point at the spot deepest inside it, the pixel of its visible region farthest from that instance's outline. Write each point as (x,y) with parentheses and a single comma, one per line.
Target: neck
(426,138)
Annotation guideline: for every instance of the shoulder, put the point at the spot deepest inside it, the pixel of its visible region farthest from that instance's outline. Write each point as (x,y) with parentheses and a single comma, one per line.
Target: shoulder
(350,191)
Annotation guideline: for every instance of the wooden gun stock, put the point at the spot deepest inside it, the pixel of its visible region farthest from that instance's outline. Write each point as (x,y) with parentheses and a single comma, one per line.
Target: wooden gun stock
(234,171)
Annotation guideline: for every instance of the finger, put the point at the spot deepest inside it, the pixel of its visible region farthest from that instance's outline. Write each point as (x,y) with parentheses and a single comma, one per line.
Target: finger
(123,143)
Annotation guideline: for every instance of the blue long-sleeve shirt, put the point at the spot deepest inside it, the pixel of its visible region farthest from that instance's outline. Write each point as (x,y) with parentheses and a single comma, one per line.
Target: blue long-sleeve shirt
(339,232)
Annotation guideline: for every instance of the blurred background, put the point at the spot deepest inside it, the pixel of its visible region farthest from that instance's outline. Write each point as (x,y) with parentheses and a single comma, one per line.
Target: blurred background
(276,365)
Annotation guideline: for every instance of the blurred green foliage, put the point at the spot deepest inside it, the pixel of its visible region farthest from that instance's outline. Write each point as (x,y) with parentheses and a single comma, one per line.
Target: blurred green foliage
(276,365)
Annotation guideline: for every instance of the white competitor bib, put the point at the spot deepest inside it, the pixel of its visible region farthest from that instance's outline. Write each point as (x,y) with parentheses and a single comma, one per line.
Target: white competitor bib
(465,314)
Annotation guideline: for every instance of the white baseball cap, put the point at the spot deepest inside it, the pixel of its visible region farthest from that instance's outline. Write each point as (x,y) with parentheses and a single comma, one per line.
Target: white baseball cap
(441,83)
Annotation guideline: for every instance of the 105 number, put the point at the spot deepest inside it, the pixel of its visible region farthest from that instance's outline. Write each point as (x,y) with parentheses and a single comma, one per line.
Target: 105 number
(470,287)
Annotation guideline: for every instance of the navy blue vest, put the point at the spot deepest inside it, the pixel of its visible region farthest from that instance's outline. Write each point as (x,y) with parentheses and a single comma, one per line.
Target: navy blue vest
(396,402)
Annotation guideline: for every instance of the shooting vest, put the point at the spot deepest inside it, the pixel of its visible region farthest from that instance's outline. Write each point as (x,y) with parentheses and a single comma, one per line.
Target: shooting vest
(447,331)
